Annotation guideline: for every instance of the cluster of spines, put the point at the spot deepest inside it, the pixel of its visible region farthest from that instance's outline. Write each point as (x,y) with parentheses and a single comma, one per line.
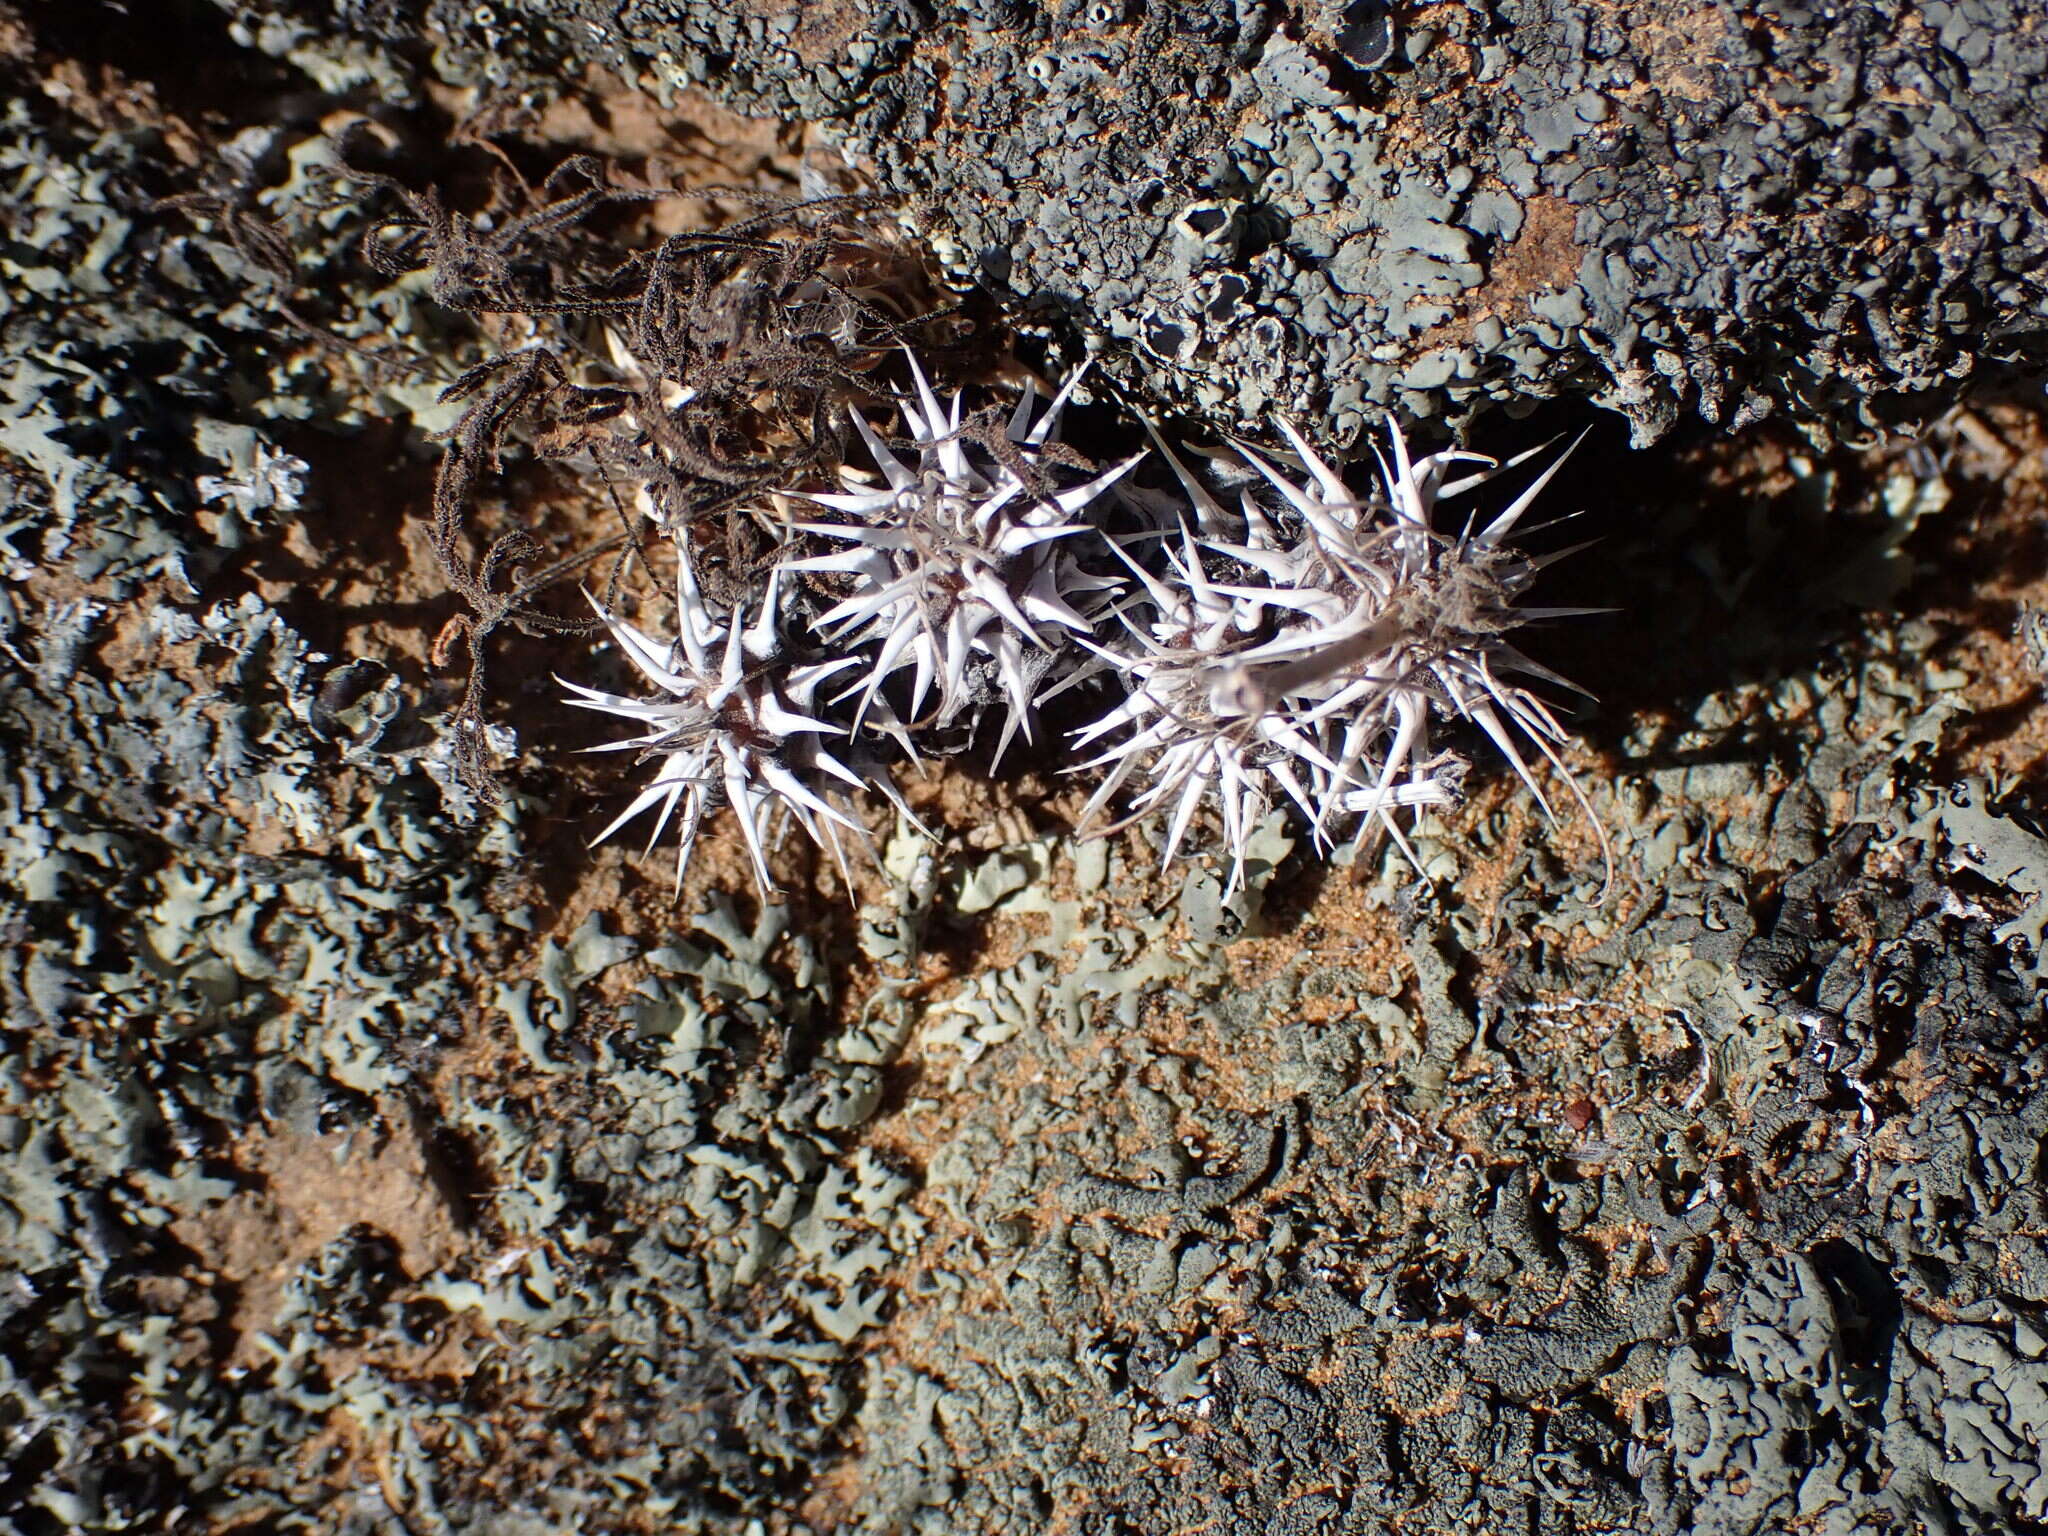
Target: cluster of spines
(1296,654)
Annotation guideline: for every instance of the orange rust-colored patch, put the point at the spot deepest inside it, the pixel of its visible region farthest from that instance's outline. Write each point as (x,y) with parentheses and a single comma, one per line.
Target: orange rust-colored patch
(823,27)
(305,1193)
(1543,256)
(1675,49)
(685,145)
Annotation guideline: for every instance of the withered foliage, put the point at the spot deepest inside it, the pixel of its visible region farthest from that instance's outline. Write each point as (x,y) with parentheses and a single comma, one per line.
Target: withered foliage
(701,370)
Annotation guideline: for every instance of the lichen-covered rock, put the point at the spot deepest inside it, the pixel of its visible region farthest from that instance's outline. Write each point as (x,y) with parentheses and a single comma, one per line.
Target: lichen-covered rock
(353,1178)
(1330,210)
(1327,1297)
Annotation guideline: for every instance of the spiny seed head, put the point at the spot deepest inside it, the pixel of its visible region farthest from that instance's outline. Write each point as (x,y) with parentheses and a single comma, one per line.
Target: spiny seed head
(956,560)
(1370,622)
(727,725)
(1189,727)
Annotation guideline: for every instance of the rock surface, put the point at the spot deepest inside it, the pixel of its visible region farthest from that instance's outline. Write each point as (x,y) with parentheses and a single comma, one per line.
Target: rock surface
(1832,211)
(374,1159)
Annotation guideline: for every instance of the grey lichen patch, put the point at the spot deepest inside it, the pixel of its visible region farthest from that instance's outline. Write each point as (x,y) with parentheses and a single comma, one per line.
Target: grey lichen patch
(1721,213)
(1970,1425)
(1093,953)
(1982,841)
(244,906)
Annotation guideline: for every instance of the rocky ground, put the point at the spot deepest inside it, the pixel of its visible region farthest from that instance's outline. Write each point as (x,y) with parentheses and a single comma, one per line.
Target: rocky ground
(379,1156)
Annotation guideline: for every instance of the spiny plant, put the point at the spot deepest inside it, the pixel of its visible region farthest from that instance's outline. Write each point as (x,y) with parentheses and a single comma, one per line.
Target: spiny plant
(729,725)
(1301,657)
(1368,620)
(966,557)
(851,588)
